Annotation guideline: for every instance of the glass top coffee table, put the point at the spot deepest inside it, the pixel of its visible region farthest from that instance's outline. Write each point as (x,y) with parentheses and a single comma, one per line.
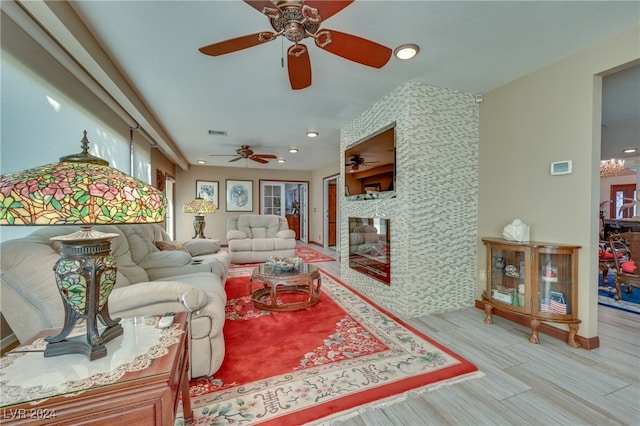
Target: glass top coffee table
(275,290)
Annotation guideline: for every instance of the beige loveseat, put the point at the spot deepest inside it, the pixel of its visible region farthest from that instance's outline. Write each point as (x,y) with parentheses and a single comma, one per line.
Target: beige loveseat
(150,281)
(255,238)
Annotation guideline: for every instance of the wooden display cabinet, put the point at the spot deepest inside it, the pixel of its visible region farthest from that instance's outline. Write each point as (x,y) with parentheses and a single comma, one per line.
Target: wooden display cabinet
(535,280)
(293,220)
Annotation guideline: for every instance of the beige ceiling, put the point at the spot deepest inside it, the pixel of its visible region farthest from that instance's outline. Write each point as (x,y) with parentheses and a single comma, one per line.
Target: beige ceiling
(471,46)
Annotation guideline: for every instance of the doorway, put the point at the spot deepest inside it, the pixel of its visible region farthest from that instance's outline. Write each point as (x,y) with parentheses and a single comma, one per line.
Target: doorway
(289,200)
(331,214)
(624,201)
(618,197)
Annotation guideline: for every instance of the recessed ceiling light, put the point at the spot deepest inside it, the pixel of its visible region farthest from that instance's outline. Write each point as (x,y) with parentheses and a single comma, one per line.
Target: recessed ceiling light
(293,150)
(312,134)
(630,150)
(202,162)
(281,160)
(406,51)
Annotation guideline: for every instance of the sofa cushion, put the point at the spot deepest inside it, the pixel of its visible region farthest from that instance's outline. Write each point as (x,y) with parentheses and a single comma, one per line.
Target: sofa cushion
(200,246)
(234,234)
(259,226)
(244,244)
(262,244)
(139,243)
(166,259)
(128,271)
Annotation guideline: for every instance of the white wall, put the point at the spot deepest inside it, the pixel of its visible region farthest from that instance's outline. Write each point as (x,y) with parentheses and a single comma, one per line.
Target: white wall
(39,124)
(216,223)
(549,115)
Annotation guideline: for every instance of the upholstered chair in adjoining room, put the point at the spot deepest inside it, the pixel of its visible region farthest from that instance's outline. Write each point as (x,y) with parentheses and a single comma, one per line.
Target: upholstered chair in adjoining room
(626,258)
(255,238)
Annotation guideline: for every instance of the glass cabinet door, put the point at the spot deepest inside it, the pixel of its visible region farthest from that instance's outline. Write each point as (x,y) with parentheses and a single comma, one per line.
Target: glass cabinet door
(508,277)
(555,280)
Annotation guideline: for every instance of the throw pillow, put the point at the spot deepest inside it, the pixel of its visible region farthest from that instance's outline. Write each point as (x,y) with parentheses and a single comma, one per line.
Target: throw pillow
(170,246)
(629,267)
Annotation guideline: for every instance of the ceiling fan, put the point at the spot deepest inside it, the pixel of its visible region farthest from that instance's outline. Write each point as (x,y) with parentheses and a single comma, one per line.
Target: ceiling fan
(300,19)
(245,152)
(357,160)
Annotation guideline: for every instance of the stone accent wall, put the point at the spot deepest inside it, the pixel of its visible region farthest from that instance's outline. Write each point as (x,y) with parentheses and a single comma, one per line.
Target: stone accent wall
(434,214)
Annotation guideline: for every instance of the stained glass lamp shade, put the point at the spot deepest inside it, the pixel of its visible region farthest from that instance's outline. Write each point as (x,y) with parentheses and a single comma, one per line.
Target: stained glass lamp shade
(199,207)
(81,190)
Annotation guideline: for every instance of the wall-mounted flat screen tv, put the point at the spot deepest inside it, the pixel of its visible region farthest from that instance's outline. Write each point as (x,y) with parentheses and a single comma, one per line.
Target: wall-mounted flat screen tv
(370,164)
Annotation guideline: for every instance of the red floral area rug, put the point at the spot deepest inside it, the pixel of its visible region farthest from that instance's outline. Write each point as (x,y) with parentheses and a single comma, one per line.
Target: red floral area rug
(291,368)
(309,255)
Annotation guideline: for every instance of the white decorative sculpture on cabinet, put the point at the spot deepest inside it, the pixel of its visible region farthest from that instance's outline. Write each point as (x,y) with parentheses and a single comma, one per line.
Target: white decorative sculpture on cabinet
(516,231)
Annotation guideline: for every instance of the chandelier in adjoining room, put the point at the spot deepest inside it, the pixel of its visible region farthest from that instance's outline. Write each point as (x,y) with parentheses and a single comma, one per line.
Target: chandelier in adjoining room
(611,167)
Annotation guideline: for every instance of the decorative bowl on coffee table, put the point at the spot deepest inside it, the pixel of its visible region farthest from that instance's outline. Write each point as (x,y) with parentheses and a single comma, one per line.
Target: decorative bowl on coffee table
(284,264)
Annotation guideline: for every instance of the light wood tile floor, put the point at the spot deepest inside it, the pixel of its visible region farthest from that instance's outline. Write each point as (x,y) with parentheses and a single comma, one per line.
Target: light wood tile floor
(524,384)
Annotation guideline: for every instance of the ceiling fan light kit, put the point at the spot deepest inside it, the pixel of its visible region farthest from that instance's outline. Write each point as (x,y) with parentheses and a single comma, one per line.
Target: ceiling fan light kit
(297,20)
(245,152)
(406,51)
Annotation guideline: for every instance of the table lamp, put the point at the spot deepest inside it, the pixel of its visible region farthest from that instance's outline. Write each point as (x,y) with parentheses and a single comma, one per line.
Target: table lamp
(199,207)
(80,190)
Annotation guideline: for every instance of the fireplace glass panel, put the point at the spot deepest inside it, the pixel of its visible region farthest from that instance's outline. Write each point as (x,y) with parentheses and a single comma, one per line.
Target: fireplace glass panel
(370,247)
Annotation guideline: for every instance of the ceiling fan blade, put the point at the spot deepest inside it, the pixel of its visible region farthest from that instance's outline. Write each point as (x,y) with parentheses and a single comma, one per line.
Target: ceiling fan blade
(328,8)
(265,156)
(299,66)
(234,44)
(357,49)
(259,5)
(259,160)
(235,159)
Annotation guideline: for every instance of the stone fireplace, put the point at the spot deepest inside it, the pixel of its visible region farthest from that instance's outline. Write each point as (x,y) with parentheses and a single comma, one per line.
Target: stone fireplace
(370,247)
(434,210)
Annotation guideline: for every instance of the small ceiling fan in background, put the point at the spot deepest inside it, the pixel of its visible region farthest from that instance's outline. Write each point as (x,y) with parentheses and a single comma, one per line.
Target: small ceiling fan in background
(300,19)
(357,160)
(245,152)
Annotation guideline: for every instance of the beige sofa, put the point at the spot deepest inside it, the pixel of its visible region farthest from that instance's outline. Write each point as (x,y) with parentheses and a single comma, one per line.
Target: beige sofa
(255,238)
(150,281)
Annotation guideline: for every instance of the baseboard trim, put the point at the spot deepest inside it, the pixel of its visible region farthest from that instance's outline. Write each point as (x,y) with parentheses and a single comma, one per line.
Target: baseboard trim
(584,342)
(7,343)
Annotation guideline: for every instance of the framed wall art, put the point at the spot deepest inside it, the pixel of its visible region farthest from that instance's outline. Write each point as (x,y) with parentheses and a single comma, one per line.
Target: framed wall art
(239,195)
(209,191)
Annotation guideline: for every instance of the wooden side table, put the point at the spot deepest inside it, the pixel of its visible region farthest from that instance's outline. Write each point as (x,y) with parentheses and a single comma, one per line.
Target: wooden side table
(140,381)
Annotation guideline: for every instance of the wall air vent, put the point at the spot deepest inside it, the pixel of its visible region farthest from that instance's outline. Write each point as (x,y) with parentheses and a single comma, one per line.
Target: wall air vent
(218,132)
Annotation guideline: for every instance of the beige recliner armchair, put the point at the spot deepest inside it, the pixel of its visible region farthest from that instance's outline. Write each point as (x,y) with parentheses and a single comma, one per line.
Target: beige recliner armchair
(255,238)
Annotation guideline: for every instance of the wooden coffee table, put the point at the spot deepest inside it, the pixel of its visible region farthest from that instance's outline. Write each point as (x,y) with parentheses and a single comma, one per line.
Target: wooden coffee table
(301,287)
